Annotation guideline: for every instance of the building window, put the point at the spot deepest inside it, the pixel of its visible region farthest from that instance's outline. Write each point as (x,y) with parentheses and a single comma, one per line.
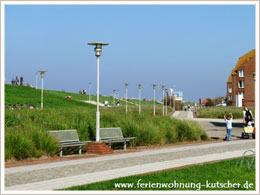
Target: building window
(240,84)
(230,90)
(241,73)
(242,94)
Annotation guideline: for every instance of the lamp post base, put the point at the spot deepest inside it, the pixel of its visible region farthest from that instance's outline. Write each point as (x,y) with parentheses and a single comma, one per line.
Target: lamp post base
(98,148)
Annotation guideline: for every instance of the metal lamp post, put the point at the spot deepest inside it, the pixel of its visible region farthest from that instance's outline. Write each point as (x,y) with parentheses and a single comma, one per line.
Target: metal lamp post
(166,94)
(126,89)
(118,94)
(98,51)
(36,80)
(42,76)
(154,87)
(89,91)
(163,97)
(139,87)
(114,91)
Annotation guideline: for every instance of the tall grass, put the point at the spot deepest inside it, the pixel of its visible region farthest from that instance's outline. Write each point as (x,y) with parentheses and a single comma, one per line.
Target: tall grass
(26,130)
(218,112)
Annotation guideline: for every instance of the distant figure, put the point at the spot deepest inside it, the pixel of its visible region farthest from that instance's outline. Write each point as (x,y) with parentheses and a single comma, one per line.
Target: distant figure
(16,80)
(84,91)
(80,91)
(106,103)
(118,104)
(21,80)
(13,82)
(31,107)
(69,97)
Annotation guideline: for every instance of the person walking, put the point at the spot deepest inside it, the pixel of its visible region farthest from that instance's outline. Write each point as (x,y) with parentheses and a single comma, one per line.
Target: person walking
(21,80)
(228,121)
(16,80)
(247,116)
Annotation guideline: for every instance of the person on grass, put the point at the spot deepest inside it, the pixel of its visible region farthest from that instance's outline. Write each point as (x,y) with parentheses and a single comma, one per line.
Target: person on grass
(228,121)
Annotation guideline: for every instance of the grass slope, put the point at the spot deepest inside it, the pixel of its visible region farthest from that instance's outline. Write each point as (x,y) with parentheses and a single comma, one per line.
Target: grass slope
(27,95)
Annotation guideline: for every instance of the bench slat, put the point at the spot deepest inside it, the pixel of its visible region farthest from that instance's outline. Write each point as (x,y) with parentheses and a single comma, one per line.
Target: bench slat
(110,133)
(65,135)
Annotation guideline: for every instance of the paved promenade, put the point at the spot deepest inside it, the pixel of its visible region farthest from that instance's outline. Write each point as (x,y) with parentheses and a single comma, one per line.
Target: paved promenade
(215,128)
(63,174)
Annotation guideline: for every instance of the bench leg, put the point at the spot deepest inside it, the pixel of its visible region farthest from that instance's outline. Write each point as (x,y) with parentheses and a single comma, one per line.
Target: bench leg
(124,145)
(60,151)
(80,150)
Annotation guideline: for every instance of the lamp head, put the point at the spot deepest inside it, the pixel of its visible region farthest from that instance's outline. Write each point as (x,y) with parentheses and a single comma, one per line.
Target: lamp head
(154,86)
(98,48)
(139,86)
(42,72)
(163,86)
(126,85)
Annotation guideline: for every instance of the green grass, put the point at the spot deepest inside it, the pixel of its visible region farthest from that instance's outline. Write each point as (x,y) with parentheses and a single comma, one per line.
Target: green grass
(26,95)
(222,172)
(26,130)
(218,112)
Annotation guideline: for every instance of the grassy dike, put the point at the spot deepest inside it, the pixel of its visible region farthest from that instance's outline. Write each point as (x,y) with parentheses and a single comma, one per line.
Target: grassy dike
(26,130)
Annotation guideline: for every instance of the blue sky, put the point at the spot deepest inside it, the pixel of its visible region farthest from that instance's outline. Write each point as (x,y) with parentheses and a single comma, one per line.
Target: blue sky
(192,48)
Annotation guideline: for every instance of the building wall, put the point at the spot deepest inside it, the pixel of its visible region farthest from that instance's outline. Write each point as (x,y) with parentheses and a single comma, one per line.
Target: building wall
(248,66)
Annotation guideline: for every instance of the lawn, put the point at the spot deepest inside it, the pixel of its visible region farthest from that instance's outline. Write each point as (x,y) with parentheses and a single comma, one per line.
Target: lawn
(209,176)
(218,112)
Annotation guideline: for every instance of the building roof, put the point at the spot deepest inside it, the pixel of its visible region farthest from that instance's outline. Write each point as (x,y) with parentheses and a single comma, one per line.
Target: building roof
(240,61)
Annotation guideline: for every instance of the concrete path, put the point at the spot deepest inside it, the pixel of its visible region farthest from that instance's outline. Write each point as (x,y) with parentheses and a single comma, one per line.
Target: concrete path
(215,128)
(183,115)
(58,175)
(94,103)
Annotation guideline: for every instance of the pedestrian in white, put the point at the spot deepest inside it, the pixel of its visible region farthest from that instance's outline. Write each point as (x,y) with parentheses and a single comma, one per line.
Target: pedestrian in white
(228,126)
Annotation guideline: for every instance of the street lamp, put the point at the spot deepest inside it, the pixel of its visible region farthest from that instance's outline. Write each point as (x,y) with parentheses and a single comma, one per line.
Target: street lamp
(89,91)
(98,51)
(114,91)
(166,94)
(118,94)
(36,81)
(163,86)
(42,76)
(154,87)
(139,87)
(126,88)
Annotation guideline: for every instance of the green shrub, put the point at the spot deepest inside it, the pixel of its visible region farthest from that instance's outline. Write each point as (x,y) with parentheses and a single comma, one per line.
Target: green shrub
(18,147)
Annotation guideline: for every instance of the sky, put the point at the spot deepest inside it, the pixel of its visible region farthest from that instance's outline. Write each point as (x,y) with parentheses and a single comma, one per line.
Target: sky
(191,48)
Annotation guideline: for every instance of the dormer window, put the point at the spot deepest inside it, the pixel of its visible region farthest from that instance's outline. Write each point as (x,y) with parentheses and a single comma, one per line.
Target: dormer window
(241,73)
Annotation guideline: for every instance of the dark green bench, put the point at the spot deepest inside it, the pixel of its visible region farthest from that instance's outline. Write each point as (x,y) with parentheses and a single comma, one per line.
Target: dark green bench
(113,135)
(68,138)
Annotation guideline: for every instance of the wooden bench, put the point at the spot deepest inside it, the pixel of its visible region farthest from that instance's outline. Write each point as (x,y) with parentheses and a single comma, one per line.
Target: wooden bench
(113,135)
(68,138)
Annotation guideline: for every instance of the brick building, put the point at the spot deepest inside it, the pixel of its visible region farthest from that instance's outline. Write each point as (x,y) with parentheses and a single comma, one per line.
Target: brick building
(241,82)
